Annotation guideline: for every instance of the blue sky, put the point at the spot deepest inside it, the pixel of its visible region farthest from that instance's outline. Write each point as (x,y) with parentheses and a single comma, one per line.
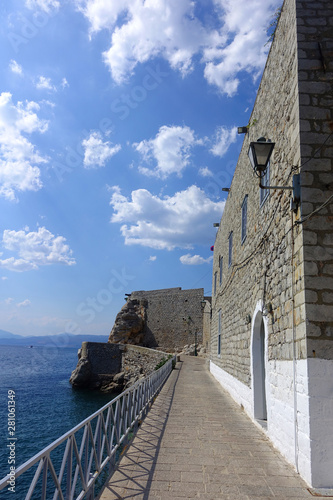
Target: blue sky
(117,132)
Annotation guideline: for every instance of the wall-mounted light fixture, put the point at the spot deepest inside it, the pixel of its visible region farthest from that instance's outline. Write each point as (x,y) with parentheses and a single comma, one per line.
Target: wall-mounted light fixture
(226,190)
(259,155)
(216,224)
(203,304)
(242,130)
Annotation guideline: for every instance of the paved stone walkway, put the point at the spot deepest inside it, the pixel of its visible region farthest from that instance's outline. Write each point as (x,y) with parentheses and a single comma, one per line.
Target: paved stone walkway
(196,442)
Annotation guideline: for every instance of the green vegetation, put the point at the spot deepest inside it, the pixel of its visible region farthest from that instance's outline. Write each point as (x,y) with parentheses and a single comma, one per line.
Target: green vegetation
(163,361)
(251,124)
(272,26)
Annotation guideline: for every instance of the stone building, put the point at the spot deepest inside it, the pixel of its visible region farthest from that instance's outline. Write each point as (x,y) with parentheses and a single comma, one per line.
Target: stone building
(167,319)
(272,303)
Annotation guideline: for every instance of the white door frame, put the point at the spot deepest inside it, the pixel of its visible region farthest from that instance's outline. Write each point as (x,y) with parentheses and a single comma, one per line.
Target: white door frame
(259,363)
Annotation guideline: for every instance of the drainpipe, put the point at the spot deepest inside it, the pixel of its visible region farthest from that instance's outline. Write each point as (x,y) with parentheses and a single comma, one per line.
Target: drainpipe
(294,341)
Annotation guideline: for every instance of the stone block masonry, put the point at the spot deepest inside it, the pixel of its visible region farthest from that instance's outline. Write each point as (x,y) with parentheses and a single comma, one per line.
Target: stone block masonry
(113,367)
(174,317)
(272,310)
(315,64)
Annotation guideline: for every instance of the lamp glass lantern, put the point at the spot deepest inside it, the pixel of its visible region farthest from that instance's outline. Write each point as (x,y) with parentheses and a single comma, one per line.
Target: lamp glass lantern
(260,153)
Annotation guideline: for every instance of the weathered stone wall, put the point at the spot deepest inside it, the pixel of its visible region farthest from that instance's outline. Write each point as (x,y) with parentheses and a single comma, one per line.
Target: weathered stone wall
(139,362)
(315,64)
(294,109)
(113,367)
(173,316)
(275,302)
(103,358)
(261,265)
(97,361)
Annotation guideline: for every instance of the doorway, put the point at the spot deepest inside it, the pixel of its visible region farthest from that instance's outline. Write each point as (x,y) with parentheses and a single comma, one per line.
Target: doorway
(259,370)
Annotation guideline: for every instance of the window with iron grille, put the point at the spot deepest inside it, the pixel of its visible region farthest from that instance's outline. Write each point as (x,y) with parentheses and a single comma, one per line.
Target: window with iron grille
(244,218)
(219,335)
(221,269)
(230,249)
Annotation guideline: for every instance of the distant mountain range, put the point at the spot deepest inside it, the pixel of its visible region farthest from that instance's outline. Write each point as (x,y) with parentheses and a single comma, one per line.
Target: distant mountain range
(59,340)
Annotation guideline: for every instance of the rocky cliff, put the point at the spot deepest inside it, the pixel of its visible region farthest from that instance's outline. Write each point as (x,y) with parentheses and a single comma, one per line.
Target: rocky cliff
(129,324)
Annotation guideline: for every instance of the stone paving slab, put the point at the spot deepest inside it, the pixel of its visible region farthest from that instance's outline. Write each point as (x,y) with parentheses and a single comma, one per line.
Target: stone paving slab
(196,442)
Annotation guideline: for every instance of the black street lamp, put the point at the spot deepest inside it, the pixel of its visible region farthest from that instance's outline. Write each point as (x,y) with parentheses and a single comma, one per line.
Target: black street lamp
(259,155)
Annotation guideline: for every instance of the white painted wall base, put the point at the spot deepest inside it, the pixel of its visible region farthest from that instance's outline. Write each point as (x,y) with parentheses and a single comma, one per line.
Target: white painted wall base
(281,414)
(320,372)
(314,447)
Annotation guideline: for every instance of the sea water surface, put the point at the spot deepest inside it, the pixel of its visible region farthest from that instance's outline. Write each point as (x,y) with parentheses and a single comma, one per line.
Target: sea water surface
(46,405)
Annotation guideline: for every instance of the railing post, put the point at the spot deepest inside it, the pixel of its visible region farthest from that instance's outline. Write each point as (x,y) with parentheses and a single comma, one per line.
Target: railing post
(91,492)
(69,470)
(124,412)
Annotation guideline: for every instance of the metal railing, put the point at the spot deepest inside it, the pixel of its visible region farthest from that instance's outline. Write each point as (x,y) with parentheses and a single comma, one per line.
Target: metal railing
(89,452)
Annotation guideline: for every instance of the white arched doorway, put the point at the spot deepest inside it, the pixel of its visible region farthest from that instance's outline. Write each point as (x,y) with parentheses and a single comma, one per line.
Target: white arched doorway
(259,367)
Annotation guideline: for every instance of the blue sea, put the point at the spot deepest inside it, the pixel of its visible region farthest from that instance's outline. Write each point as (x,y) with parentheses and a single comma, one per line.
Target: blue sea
(46,405)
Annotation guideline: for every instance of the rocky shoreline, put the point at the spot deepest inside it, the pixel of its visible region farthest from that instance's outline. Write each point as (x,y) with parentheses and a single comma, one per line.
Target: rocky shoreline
(113,368)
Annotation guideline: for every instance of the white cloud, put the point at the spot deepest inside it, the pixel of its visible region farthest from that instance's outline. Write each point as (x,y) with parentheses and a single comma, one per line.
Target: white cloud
(4,278)
(167,28)
(34,249)
(45,83)
(205,172)
(25,303)
(15,67)
(97,152)
(18,156)
(9,301)
(171,30)
(46,5)
(169,151)
(244,24)
(182,220)
(194,260)
(152,258)
(101,13)
(224,137)
(64,83)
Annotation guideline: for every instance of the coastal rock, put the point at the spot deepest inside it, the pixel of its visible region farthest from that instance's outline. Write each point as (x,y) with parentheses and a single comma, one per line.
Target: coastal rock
(129,324)
(81,376)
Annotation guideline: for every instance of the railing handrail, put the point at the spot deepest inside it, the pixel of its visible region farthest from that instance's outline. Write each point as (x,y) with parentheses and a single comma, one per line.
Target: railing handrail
(144,397)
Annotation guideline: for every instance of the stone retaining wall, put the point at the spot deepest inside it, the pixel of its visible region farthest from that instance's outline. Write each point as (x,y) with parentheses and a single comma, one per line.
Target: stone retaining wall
(113,367)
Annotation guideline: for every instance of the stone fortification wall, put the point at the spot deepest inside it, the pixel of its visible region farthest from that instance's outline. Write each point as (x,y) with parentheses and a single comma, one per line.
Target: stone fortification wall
(272,311)
(113,367)
(173,317)
(261,269)
(315,65)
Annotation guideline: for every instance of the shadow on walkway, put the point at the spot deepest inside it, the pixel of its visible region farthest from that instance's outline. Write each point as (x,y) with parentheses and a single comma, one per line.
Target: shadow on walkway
(138,463)
(196,442)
